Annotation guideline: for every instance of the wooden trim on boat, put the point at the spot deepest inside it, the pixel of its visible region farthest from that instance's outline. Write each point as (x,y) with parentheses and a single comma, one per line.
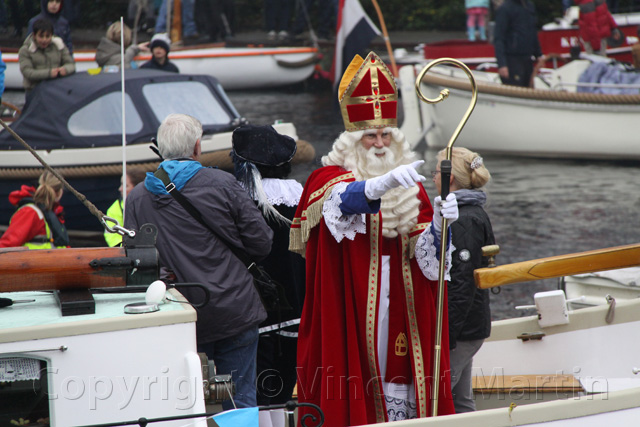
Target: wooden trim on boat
(528,93)
(505,384)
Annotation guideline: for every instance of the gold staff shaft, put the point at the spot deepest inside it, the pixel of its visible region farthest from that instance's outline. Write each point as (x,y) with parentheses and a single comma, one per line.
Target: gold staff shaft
(445,174)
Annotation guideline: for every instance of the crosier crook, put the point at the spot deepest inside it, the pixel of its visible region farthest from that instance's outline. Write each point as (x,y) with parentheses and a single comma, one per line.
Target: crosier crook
(445,174)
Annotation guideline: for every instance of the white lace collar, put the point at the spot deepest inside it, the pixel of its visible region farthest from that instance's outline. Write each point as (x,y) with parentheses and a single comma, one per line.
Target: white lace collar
(282,191)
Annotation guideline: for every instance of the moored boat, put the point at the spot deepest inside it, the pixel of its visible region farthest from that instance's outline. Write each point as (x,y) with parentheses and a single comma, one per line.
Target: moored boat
(235,67)
(538,122)
(75,125)
(556,368)
(557,39)
(599,288)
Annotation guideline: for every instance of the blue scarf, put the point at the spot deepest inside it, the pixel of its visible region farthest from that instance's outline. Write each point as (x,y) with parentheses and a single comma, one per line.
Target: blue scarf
(179,171)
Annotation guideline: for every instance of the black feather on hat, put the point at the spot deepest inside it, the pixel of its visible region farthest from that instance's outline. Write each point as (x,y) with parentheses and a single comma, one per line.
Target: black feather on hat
(263,145)
(256,149)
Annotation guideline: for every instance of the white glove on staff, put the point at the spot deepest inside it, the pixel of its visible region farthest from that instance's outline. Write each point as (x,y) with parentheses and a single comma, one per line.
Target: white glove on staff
(447,209)
(405,175)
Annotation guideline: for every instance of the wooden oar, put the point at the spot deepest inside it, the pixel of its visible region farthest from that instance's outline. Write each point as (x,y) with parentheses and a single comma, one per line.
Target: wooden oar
(562,265)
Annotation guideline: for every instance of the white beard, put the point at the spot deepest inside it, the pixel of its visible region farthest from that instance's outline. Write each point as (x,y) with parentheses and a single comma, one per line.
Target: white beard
(400,206)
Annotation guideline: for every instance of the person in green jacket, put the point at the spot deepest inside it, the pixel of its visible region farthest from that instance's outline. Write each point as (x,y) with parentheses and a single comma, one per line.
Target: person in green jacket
(134,176)
(43,56)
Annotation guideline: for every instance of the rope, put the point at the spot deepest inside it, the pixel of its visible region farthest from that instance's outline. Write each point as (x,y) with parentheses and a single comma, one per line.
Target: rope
(527,93)
(92,208)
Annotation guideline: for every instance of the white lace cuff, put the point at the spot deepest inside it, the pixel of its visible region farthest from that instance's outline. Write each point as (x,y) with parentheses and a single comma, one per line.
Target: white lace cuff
(340,225)
(426,256)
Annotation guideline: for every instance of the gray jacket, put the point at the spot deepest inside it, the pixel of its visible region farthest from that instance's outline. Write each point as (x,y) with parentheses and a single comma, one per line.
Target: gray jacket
(108,53)
(195,255)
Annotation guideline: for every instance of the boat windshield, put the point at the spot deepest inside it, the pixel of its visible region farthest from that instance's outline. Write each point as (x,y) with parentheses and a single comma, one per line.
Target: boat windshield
(103,116)
(191,97)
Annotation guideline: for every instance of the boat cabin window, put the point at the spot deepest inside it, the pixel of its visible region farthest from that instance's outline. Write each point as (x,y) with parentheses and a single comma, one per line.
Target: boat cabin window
(103,116)
(24,391)
(191,97)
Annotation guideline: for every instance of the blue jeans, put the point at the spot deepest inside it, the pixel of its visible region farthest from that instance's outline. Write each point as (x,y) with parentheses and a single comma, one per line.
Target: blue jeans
(188,23)
(236,355)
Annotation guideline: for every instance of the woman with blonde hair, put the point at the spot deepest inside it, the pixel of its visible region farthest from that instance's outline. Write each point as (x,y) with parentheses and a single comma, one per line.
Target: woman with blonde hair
(108,50)
(38,222)
(469,311)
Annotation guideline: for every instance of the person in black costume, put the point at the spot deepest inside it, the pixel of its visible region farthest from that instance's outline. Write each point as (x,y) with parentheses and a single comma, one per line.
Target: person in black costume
(261,163)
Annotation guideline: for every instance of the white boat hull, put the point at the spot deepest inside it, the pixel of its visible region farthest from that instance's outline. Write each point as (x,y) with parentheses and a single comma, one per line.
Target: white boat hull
(235,68)
(594,288)
(526,126)
(601,356)
(100,156)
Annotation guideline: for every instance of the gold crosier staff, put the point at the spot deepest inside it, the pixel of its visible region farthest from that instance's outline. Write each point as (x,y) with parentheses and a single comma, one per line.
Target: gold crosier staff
(445,174)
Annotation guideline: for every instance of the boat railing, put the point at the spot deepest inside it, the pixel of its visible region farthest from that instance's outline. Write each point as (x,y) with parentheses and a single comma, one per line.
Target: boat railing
(563,85)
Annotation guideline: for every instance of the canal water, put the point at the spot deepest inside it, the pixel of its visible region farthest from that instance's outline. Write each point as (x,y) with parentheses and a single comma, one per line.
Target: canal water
(538,207)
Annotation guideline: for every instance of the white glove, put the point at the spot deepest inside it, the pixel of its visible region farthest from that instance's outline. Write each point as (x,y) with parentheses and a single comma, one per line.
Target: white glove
(405,175)
(447,209)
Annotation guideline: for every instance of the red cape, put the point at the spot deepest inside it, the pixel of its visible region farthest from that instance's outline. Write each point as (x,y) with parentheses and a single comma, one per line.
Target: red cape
(337,342)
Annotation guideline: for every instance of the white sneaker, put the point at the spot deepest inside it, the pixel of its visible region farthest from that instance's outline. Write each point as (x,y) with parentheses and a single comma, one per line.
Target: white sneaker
(283,35)
(271,35)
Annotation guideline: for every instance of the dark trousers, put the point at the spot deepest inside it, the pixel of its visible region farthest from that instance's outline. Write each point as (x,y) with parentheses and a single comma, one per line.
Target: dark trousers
(220,17)
(16,15)
(520,70)
(276,368)
(326,13)
(277,14)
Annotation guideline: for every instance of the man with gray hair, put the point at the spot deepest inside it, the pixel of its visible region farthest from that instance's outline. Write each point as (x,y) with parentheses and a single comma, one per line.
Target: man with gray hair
(227,327)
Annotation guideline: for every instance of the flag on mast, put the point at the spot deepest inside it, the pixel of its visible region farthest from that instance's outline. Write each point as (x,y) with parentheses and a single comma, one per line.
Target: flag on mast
(354,33)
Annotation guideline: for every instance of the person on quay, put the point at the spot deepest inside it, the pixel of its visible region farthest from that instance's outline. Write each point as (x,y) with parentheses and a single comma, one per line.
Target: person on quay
(108,50)
(160,45)
(43,56)
(52,10)
(134,176)
(477,11)
(596,26)
(277,14)
(227,327)
(516,42)
(371,240)
(189,27)
(469,310)
(17,16)
(262,160)
(38,222)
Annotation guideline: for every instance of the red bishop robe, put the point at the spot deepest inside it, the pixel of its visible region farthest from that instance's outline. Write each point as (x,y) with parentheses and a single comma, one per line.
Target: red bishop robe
(338,365)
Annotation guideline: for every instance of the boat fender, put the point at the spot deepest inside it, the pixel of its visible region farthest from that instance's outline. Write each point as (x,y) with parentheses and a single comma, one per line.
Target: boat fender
(155,293)
(552,308)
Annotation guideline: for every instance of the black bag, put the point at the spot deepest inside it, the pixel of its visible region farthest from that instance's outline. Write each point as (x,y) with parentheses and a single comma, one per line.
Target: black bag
(271,292)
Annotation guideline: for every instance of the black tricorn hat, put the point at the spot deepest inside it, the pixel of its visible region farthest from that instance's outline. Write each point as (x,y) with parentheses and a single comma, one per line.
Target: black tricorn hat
(263,145)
